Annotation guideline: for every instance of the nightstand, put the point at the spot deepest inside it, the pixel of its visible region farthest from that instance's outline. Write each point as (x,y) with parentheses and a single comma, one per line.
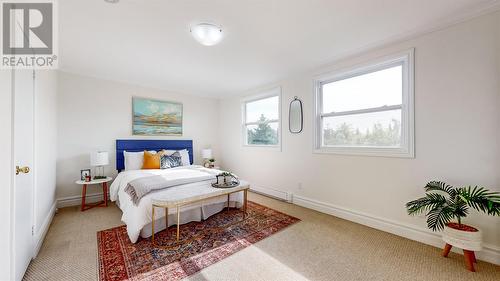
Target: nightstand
(103,183)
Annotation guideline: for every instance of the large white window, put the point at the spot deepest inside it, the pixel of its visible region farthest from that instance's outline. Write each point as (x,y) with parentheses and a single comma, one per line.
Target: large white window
(367,110)
(262,119)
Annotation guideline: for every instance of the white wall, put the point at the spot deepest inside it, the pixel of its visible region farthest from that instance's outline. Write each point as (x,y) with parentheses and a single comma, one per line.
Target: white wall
(45,151)
(6,173)
(457,133)
(93,113)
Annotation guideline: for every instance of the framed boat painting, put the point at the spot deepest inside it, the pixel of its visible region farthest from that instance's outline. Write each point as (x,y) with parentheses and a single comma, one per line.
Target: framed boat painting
(156,118)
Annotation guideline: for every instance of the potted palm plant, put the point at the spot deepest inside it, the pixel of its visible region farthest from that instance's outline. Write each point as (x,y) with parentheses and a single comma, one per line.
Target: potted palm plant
(443,203)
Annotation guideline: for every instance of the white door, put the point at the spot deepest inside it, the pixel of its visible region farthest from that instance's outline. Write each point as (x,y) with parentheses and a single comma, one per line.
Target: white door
(23,160)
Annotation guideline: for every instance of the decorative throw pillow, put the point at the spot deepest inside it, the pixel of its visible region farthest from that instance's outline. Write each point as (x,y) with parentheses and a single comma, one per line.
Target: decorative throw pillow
(151,160)
(184,153)
(170,161)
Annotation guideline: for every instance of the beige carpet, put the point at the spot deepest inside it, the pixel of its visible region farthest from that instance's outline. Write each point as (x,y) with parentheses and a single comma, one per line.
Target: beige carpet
(320,247)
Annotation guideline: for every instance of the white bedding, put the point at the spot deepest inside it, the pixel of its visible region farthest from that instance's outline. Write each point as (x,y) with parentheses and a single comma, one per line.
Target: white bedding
(138,218)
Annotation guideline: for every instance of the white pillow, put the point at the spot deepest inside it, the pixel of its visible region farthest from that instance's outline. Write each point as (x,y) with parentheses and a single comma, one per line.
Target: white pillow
(134,160)
(184,155)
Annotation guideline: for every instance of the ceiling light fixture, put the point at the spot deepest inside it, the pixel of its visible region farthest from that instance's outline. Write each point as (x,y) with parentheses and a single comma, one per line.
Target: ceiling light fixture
(207,34)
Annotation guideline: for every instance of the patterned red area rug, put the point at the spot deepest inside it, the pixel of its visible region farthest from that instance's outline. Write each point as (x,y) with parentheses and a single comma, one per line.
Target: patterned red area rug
(202,244)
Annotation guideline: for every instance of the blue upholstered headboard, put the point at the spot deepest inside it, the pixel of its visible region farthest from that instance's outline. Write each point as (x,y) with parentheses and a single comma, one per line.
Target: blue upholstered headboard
(141,145)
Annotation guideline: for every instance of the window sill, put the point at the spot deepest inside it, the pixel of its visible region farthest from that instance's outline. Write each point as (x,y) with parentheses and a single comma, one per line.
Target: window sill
(367,151)
(264,147)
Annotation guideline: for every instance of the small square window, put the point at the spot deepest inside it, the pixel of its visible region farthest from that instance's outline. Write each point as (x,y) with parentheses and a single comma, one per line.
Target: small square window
(261,119)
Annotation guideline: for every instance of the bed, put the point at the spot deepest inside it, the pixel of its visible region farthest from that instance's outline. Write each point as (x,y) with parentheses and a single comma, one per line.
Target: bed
(137,217)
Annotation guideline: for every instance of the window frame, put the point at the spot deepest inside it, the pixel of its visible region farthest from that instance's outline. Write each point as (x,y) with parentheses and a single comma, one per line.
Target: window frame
(273,92)
(407,147)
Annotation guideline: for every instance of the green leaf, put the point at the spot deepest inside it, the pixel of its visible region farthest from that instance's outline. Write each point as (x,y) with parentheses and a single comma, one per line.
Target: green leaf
(440,186)
(438,217)
(423,204)
(481,200)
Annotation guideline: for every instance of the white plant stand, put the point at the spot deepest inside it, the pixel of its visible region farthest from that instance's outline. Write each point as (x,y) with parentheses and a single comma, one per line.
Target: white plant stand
(466,240)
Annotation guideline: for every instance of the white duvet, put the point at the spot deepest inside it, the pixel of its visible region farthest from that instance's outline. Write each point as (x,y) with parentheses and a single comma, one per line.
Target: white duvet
(138,218)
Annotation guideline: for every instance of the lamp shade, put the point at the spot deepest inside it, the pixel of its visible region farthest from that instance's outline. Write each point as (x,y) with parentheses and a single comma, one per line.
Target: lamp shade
(99,158)
(206,153)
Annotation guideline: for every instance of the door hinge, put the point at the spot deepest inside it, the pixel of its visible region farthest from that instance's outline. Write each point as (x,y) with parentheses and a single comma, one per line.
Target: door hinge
(32,230)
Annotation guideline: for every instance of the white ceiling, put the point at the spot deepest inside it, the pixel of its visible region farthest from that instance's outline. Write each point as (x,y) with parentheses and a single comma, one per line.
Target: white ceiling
(147,42)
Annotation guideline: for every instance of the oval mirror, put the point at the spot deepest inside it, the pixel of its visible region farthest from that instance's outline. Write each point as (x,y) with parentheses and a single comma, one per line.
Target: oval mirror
(295,118)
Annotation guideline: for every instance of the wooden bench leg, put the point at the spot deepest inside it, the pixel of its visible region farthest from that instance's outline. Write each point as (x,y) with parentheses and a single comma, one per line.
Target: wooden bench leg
(178,222)
(153,225)
(469,260)
(166,219)
(446,250)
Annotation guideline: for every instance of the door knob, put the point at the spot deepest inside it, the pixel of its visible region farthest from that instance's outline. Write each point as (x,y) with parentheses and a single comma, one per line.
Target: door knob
(23,170)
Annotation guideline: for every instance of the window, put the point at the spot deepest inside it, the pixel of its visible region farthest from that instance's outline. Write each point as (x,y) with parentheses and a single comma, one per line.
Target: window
(367,110)
(261,119)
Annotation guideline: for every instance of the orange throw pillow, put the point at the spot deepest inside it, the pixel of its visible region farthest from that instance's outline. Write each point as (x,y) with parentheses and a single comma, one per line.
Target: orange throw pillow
(151,161)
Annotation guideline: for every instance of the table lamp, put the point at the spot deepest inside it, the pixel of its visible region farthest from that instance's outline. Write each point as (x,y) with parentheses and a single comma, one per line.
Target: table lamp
(99,159)
(206,154)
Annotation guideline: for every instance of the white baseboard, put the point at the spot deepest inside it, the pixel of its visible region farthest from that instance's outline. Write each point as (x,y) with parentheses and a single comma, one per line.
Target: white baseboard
(489,253)
(40,235)
(77,200)
(278,194)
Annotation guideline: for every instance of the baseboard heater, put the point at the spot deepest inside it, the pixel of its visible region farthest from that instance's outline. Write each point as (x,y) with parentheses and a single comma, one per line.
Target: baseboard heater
(273,193)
